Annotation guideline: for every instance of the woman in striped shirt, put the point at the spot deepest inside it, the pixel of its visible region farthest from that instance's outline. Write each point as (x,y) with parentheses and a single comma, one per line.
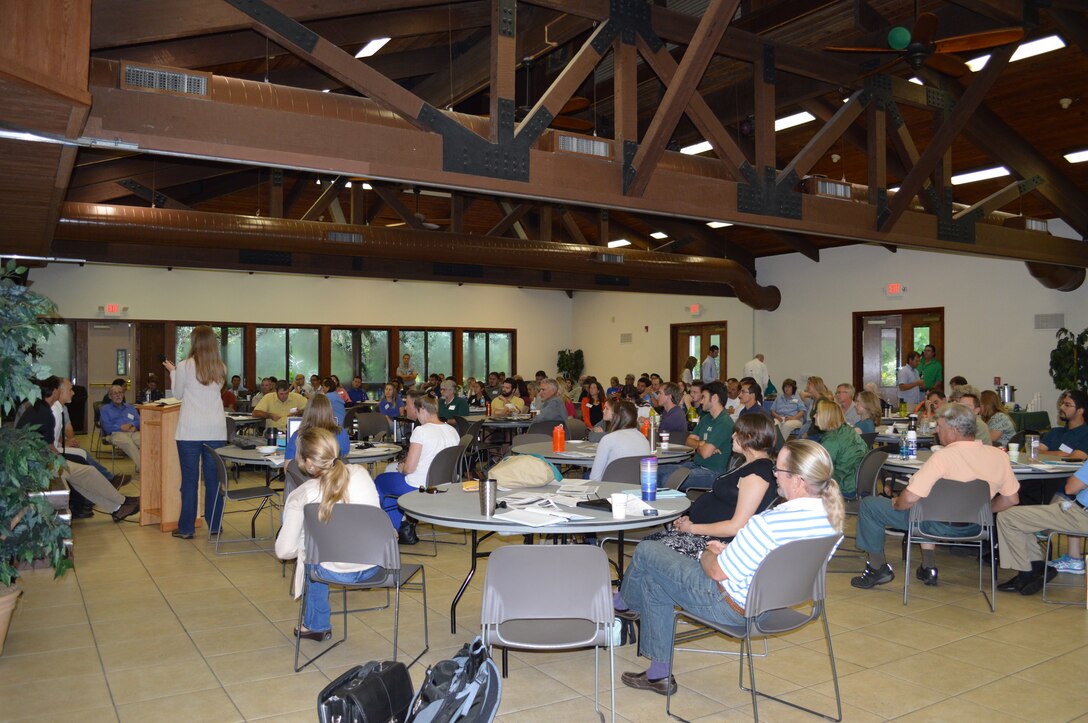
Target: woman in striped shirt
(716,586)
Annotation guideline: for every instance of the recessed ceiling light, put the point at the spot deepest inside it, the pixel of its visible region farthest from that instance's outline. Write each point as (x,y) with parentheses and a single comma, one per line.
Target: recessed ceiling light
(1077,156)
(618,243)
(347,185)
(317,182)
(916,81)
(696,148)
(790,121)
(367,187)
(325,90)
(1026,50)
(372,47)
(718,224)
(980,175)
(658,235)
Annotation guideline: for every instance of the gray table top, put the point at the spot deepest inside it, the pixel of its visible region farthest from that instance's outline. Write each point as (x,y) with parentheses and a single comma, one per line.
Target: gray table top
(1022,469)
(377,453)
(460,509)
(583,453)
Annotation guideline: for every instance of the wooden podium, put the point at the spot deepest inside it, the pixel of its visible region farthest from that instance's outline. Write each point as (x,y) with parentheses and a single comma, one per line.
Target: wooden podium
(160,471)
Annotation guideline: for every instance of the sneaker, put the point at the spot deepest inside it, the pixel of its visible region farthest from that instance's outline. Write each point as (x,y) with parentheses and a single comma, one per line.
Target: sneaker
(1065,563)
(927,575)
(871,578)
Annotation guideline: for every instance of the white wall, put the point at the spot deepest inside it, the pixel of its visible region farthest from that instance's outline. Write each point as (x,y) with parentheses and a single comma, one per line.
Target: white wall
(989,309)
(542,318)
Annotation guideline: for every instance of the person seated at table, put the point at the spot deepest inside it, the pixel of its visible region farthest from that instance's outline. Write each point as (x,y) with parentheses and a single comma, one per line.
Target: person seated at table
(999,423)
(672,420)
(430,437)
(716,586)
(229,399)
(550,405)
(521,389)
(276,408)
(121,424)
(787,409)
(645,395)
(751,399)
(119,381)
(299,386)
(814,391)
(493,386)
(597,432)
(1073,432)
(356,393)
(319,413)
(968,396)
(509,401)
(327,388)
(867,405)
(613,387)
(711,441)
(391,404)
(151,392)
(934,400)
(267,387)
(593,403)
(237,387)
(621,438)
(962,459)
(736,496)
(568,401)
(843,444)
(477,397)
(332,482)
(1020,550)
(844,395)
(732,401)
(695,398)
(451,405)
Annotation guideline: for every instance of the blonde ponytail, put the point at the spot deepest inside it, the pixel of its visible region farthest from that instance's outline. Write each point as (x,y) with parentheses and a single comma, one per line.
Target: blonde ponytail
(812,462)
(319,449)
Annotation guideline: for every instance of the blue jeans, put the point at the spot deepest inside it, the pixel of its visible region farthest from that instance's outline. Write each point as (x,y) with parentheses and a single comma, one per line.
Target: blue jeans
(393,484)
(659,578)
(191,455)
(317,615)
(697,476)
(876,513)
(98,466)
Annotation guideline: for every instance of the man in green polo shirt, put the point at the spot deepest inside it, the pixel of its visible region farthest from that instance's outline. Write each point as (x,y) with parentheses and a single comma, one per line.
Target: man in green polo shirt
(451,405)
(712,440)
(929,369)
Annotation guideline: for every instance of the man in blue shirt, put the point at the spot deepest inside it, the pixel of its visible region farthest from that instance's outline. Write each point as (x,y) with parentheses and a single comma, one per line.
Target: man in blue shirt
(357,394)
(121,423)
(1073,435)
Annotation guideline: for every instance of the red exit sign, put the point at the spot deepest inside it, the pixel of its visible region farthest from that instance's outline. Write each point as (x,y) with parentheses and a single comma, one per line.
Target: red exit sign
(112,309)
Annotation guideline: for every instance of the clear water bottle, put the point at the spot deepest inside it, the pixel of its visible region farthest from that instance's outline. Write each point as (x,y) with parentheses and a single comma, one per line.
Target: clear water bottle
(903,445)
(912,444)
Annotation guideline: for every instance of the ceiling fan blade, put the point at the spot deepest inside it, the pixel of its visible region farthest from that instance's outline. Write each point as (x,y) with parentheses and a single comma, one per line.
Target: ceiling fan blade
(882,68)
(577,104)
(950,65)
(979,41)
(846,49)
(567,123)
(925,29)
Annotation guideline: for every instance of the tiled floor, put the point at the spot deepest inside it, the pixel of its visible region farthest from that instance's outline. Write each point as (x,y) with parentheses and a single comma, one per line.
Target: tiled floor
(149,627)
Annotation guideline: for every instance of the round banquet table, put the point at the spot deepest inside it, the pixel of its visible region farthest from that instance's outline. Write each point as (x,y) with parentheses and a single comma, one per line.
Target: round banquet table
(458,509)
(377,453)
(1024,471)
(583,453)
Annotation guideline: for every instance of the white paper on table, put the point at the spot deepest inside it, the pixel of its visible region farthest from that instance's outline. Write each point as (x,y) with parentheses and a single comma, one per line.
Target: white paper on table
(530,517)
(577,489)
(567,500)
(524,498)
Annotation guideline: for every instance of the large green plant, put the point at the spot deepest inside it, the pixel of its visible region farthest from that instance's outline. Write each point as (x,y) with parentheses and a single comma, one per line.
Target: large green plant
(1069,360)
(570,363)
(29,528)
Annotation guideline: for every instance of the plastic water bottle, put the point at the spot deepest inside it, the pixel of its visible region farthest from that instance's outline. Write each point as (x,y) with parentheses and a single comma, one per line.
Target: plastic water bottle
(912,444)
(648,476)
(903,446)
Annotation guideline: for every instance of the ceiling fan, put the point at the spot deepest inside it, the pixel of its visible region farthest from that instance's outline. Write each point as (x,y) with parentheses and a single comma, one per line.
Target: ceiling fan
(430,224)
(918,47)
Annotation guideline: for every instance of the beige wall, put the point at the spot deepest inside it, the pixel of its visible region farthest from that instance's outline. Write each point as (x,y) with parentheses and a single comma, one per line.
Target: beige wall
(542,318)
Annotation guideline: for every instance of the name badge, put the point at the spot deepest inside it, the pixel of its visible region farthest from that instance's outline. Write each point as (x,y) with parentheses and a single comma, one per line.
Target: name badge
(131,417)
(452,407)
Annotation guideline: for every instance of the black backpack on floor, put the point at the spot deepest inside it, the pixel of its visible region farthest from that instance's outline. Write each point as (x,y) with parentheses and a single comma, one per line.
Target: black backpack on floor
(466,689)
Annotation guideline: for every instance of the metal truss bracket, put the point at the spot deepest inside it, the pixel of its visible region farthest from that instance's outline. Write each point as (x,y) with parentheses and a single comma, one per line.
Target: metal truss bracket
(628,19)
(630,148)
(294,31)
(769,195)
(507,13)
(949,228)
(157,199)
(464,151)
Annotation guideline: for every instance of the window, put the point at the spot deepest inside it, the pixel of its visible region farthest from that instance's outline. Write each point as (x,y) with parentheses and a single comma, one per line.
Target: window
(302,351)
(54,351)
(360,351)
(231,345)
(889,356)
(485,352)
(432,351)
(271,352)
(921,338)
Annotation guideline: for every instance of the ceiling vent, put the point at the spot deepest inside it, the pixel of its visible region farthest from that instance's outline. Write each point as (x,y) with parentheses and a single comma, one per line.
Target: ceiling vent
(164,80)
(1049,321)
(608,258)
(583,144)
(343,237)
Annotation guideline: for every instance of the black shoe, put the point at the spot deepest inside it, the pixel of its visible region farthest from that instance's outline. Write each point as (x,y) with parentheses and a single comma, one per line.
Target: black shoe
(870,578)
(182,535)
(927,575)
(128,508)
(639,681)
(82,513)
(1035,584)
(406,535)
(1011,585)
(629,615)
(316,635)
(120,480)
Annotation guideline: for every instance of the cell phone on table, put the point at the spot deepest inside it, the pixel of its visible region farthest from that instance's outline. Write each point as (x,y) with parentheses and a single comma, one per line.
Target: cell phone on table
(598,504)
(1071,459)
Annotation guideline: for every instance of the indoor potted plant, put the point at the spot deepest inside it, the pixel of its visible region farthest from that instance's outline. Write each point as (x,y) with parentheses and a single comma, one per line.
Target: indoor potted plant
(29,527)
(1069,360)
(570,364)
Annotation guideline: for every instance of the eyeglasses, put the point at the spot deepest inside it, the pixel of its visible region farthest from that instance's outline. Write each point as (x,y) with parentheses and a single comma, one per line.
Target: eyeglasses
(776,470)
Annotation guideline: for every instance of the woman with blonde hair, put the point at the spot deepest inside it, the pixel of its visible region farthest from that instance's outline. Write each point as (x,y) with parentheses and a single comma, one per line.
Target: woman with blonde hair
(993,413)
(716,586)
(687,376)
(867,405)
(202,426)
(319,413)
(814,391)
(842,443)
(332,482)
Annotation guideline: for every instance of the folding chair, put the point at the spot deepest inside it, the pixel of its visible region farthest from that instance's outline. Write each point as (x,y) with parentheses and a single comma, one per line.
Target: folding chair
(550,598)
(956,503)
(1050,536)
(99,438)
(361,535)
(445,468)
(236,493)
(790,576)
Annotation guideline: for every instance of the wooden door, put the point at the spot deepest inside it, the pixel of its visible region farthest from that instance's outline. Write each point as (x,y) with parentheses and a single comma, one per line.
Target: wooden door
(695,340)
(882,340)
(150,345)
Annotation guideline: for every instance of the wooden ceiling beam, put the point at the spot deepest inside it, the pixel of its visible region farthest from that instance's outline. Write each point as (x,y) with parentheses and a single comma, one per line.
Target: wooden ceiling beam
(391,197)
(729,249)
(330,190)
(1010,12)
(1074,26)
(504,64)
(828,135)
(967,104)
(798,242)
(99,183)
(511,219)
(678,92)
(569,223)
(155,198)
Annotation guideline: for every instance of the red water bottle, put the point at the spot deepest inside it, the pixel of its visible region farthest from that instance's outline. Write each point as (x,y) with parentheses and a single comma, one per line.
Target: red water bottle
(559,438)
(644,427)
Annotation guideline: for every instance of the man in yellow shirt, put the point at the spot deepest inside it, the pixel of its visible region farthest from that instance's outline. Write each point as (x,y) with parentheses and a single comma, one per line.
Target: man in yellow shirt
(276,408)
(507,402)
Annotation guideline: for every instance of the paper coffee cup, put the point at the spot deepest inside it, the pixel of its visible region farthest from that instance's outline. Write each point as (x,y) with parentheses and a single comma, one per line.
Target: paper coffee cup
(619,505)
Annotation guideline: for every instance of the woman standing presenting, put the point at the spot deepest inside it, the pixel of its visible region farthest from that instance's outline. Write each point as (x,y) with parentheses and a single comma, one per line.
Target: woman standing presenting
(196,381)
